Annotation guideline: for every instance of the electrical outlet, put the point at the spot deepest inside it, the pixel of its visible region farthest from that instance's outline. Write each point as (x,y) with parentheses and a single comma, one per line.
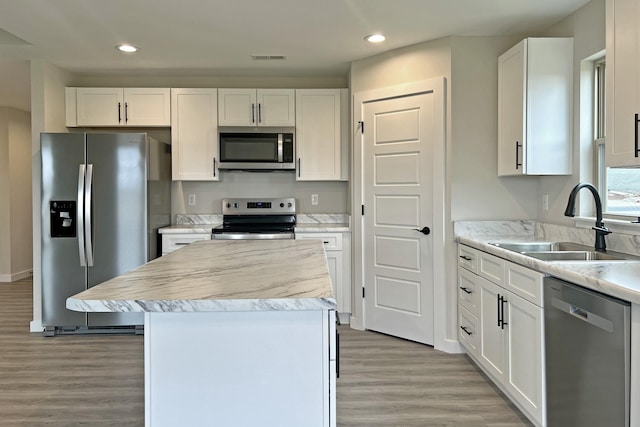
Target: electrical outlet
(192,200)
(314,199)
(545,202)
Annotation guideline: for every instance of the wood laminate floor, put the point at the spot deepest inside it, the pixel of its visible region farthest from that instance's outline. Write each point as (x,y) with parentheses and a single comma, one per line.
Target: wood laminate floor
(98,380)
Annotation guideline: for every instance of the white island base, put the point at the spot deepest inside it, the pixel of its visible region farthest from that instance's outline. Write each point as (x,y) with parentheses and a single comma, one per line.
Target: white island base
(254,368)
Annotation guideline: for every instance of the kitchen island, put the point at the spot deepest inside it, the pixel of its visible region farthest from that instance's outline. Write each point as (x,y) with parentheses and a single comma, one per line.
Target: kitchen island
(237,333)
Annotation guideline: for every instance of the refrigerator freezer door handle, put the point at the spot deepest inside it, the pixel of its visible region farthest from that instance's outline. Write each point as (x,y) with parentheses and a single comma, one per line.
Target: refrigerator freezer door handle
(88,189)
(80,215)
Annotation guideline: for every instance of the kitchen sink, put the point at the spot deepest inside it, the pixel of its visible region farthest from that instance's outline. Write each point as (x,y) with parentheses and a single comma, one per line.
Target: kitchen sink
(563,251)
(542,246)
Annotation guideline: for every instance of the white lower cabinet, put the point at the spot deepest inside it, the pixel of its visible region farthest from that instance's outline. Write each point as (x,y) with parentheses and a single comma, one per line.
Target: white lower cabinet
(502,328)
(172,242)
(338,249)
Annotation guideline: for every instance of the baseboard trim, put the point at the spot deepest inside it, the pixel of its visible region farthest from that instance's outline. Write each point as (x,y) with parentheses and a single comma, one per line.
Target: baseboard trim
(8,278)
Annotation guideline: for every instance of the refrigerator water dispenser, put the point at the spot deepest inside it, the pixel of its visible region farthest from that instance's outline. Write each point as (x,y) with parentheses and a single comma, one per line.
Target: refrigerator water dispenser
(63,218)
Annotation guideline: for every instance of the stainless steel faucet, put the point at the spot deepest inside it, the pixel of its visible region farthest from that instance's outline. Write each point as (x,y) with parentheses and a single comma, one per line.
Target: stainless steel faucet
(600,229)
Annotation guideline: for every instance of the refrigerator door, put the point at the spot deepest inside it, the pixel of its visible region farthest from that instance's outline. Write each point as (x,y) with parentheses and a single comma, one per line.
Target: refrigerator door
(63,273)
(117,215)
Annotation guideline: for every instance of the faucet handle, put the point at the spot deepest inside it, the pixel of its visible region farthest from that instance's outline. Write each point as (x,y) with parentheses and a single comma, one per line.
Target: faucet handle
(602,230)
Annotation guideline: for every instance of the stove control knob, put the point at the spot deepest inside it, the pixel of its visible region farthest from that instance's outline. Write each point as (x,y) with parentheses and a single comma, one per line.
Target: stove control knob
(228,205)
(289,204)
(235,205)
(282,205)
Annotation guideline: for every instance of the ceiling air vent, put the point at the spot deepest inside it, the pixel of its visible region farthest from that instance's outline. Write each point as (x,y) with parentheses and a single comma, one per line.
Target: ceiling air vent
(268,57)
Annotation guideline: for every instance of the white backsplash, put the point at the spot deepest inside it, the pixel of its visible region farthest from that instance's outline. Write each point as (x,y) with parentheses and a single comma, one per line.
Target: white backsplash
(322,219)
(494,228)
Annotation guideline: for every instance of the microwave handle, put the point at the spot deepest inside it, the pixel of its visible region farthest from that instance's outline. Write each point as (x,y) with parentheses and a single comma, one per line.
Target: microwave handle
(280,148)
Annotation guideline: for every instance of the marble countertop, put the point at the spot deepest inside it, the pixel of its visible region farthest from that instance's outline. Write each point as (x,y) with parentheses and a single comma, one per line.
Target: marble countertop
(220,275)
(620,279)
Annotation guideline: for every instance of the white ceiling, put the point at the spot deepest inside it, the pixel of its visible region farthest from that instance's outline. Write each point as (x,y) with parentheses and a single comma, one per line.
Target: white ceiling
(217,37)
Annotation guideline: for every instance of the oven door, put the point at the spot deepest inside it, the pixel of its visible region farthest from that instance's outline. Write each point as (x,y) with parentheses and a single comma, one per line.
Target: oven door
(251,236)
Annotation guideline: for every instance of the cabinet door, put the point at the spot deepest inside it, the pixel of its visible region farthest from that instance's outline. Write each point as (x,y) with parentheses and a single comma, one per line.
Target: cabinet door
(237,107)
(147,107)
(276,107)
(100,106)
(623,66)
(194,134)
(318,135)
(525,377)
(511,110)
(492,337)
(468,331)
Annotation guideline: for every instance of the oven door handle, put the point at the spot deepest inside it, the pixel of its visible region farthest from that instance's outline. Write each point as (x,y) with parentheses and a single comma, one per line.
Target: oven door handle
(252,236)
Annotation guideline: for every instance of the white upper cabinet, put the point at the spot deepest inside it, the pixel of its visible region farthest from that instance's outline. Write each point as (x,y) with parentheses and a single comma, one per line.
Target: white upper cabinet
(107,107)
(535,97)
(256,107)
(320,134)
(194,134)
(622,85)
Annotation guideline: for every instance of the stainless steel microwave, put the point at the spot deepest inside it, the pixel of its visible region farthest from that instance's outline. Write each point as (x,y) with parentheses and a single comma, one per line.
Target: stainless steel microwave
(257,149)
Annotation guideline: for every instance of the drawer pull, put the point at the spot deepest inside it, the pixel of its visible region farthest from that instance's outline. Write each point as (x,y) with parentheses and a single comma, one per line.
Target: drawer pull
(466,290)
(181,243)
(466,258)
(325,242)
(464,328)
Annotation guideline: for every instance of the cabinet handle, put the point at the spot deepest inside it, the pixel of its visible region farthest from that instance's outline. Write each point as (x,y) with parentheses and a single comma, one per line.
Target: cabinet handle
(253,113)
(214,167)
(259,113)
(466,258)
(181,243)
(501,302)
(119,115)
(466,290)
(464,328)
(337,352)
(499,305)
(299,167)
(126,112)
(325,242)
(635,147)
(518,145)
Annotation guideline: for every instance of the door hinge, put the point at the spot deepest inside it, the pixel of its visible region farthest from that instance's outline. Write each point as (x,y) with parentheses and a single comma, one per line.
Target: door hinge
(362,210)
(361,124)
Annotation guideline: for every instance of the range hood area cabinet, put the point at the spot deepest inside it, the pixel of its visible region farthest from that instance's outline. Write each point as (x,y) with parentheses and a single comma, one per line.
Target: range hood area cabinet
(622,83)
(194,134)
(256,107)
(117,107)
(535,98)
(321,135)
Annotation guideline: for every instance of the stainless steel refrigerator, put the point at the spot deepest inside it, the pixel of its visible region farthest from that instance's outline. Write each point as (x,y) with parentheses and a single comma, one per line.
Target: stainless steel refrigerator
(104,196)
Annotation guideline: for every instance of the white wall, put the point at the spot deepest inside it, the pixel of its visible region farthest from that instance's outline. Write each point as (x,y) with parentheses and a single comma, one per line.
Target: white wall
(587,27)
(15,195)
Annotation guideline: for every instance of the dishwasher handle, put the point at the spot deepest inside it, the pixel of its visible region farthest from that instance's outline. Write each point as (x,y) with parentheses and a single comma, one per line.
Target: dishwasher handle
(582,314)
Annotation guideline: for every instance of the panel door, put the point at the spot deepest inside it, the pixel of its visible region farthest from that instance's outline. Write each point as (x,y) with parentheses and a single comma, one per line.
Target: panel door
(102,106)
(276,107)
(623,87)
(318,135)
(511,111)
(237,107)
(147,107)
(525,351)
(194,135)
(492,337)
(398,194)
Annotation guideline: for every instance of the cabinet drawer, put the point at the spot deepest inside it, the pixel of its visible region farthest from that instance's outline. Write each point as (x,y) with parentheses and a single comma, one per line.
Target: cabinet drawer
(524,282)
(332,241)
(468,331)
(468,290)
(491,268)
(171,242)
(468,258)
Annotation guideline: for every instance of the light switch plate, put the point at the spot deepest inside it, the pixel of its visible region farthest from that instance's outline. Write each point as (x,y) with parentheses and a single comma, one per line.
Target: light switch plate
(192,200)
(314,199)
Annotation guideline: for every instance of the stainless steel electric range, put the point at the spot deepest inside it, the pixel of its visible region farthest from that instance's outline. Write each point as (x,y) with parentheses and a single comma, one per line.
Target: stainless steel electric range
(244,219)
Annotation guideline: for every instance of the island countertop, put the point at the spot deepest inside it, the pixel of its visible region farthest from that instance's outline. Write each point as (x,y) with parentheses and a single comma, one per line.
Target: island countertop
(220,275)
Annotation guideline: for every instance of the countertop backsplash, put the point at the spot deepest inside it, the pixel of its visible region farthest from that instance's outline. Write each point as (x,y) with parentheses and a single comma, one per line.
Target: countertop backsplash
(618,242)
(196,219)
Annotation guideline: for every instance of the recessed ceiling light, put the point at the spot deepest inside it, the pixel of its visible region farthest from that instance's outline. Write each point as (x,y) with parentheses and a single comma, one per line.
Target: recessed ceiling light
(126,48)
(375,38)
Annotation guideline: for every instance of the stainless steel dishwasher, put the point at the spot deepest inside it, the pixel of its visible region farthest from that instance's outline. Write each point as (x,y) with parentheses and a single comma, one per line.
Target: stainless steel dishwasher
(587,345)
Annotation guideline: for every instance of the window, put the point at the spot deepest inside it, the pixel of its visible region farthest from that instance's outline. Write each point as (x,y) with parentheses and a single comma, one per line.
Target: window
(621,185)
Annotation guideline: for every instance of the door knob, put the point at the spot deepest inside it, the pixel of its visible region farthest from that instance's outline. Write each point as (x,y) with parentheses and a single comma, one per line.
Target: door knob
(425,230)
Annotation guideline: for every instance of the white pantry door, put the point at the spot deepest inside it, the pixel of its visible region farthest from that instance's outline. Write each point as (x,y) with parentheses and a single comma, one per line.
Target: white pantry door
(398,194)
